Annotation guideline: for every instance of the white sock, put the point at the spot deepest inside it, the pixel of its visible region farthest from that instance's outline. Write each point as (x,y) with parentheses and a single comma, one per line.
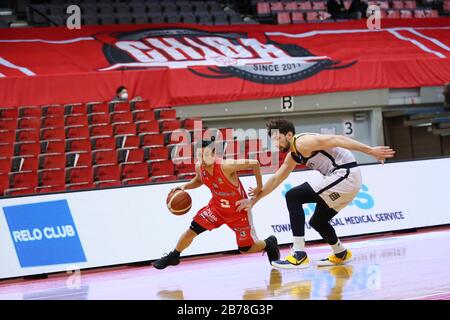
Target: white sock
(338,247)
(299,244)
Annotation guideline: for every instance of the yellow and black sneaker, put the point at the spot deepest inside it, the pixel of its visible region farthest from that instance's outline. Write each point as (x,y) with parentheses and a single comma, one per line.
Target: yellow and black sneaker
(334,260)
(297,260)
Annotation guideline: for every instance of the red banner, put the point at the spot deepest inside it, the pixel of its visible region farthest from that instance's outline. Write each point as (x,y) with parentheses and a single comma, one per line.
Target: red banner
(178,64)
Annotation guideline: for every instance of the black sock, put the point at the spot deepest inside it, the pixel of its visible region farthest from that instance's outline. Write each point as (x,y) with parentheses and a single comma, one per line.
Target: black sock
(176,253)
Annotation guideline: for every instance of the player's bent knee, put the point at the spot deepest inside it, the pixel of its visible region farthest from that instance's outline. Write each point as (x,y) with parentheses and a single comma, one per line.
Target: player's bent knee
(244,249)
(196,228)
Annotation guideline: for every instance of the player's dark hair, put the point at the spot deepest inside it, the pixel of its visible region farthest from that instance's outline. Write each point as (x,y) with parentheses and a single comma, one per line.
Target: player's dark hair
(282,125)
(119,89)
(207,143)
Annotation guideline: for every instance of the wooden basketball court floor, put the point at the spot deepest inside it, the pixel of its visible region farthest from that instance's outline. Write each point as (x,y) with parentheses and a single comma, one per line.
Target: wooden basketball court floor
(395,266)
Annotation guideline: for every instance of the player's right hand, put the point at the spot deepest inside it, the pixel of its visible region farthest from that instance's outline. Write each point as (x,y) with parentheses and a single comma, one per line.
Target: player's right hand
(177,188)
(382,153)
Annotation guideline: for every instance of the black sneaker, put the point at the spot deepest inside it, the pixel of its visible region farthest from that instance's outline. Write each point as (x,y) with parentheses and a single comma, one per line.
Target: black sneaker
(170,259)
(273,253)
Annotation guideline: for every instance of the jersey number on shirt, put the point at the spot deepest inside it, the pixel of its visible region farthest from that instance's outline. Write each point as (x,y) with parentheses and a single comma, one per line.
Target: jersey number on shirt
(225,203)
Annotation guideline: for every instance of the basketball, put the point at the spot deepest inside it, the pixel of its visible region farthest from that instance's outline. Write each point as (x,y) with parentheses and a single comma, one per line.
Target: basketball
(179,202)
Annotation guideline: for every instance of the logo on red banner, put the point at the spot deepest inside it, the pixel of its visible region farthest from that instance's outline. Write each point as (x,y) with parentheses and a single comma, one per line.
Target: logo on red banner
(214,55)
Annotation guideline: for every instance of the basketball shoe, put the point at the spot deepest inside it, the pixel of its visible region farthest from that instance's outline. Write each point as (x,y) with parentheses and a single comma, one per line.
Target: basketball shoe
(333,260)
(171,259)
(297,260)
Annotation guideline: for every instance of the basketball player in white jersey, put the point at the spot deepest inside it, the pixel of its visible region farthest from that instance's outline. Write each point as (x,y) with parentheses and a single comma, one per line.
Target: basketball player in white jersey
(330,155)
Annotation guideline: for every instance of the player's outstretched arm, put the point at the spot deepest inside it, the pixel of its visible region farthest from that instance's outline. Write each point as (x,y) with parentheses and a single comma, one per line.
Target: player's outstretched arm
(311,143)
(274,181)
(246,164)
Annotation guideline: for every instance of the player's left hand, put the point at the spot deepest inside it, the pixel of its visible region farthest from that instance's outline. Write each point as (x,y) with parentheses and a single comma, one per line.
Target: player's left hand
(244,204)
(253,192)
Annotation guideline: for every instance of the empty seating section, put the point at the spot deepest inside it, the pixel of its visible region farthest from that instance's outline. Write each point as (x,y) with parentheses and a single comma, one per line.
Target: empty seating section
(287,12)
(97,145)
(138,11)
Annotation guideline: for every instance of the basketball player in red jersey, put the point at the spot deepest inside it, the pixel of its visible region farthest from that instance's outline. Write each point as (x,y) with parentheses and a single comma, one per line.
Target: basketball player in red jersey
(220,176)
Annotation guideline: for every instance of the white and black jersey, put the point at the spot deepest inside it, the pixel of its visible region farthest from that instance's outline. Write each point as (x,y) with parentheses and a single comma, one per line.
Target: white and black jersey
(342,177)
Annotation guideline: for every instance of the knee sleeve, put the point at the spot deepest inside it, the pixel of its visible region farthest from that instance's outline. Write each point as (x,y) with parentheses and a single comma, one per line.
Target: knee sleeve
(244,249)
(196,227)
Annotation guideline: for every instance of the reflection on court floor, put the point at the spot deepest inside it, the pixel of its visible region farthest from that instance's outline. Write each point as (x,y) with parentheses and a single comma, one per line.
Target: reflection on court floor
(407,266)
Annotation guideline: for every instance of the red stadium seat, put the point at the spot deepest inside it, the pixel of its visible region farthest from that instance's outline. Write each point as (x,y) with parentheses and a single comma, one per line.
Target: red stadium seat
(7,136)
(19,191)
(53,122)
(303,6)
(130,155)
(291,6)
(99,118)
(283,18)
(106,172)
(263,8)
(9,113)
(169,125)
(164,178)
(185,167)
(140,105)
(80,186)
(28,179)
(104,157)
(27,135)
(143,115)
(298,17)
(185,176)
(52,177)
(53,146)
(409,4)
(52,133)
(52,161)
(79,175)
(276,7)
(393,14)
(406,14)
(312,16)
(151,139)
(161,167)
(27,148)
(191,123)
(397,4)
(156,153)
(431,13)
(5,165)
(30,112)
(134,170)
(50,189)
(136,181)
(124,129)
(180,151)
(127,142)
(24,163)
(53,111)
(6,149)
(4,182)
(147,127)
(165,114)
(103,143)
(78,159)
(101,130)
(107,183)
(77,132)
(77,108)
(29,123)
(419,14)
(319,5)
(8,124)
(119,106)
(97,107)
(76,120)
(82,144)
(123,116)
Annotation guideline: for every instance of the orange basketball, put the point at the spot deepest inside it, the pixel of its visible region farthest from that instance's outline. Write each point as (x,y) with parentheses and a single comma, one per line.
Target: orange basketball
(179,202)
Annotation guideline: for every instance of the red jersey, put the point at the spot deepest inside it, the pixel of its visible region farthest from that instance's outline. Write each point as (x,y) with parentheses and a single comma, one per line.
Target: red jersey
(224,193)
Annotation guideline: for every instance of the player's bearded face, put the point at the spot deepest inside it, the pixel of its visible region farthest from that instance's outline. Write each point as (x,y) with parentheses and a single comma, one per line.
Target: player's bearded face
(280,142)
